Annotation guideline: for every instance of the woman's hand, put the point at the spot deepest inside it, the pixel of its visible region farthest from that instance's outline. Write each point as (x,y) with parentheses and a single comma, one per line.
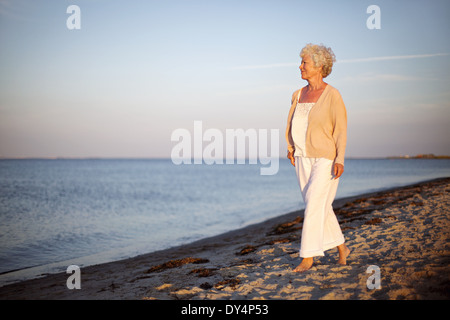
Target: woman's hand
(338,170)
(290,156)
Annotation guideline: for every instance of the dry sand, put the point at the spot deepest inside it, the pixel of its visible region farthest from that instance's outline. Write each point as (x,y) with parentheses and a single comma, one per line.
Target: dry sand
(403,231)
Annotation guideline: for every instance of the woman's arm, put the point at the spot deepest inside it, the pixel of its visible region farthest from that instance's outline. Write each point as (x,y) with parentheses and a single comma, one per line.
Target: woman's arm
(290,156)
(340,128)
(338,170)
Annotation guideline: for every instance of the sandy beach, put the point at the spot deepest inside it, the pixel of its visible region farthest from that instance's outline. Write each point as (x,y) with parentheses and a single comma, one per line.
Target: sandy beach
(404,231)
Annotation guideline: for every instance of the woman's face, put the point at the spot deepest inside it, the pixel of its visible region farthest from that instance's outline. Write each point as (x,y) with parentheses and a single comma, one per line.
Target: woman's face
(308,69)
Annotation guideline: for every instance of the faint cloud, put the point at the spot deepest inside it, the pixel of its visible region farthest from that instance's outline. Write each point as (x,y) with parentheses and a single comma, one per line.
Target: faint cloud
(357,60)
(436,106)
(14,9)
(266,66)
(5,7)
(373,59)
(367,77)
(258,90)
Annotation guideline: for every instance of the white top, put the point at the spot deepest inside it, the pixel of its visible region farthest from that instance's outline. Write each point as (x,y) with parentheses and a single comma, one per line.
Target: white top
(299,127)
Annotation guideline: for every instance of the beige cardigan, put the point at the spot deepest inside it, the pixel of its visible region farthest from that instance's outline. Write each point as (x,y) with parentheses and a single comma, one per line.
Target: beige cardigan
(326,136)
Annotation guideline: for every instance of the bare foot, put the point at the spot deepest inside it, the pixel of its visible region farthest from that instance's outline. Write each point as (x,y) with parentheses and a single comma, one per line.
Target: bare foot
(306,264)
(344,251)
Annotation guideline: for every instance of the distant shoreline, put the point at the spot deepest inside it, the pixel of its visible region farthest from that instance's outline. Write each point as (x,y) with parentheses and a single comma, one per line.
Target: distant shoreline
(420,156)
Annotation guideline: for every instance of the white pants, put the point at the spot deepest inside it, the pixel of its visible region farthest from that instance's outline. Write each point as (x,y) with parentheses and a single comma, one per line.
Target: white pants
(321,230)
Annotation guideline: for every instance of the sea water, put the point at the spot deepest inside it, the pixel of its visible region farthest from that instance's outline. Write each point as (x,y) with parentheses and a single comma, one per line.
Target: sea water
(54,213)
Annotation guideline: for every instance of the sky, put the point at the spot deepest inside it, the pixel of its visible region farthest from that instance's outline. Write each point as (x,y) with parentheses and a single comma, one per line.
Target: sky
(136,71)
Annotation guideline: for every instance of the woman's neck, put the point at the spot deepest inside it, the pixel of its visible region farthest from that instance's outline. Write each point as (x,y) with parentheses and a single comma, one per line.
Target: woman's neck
(316,84)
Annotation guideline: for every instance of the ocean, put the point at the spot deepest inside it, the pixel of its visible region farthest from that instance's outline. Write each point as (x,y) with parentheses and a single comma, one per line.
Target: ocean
(55,213)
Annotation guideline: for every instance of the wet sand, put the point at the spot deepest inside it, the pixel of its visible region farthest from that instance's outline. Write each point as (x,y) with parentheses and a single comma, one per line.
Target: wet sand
(403,231)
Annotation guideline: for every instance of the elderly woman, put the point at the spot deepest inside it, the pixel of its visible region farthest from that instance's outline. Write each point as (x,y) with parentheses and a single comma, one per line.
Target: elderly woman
(316,135)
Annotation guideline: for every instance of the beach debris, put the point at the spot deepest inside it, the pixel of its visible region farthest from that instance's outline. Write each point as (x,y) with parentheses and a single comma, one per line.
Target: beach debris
(246,250)
(247,262)
(232,283)
(176,263)
(164,286)
(374,221)
(288,239)
(111,287)
(287,227)
(206,286)
(203,272)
